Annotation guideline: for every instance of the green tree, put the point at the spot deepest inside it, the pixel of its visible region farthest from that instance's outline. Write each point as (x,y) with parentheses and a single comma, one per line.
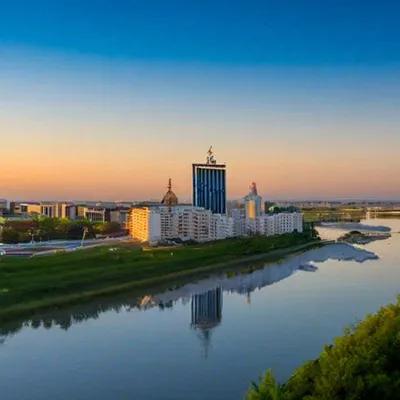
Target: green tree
(22,225)
(266,389)
(10,235)
(362,364)
(48,227)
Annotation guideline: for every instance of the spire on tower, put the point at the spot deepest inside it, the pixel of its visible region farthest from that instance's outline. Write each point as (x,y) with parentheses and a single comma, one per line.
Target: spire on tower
(253,189)
(169,198)
(210,156)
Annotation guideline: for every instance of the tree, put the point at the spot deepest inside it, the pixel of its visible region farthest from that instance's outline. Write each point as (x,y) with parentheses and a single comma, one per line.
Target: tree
(361,364)
(10,235)
(48,226)
(266,389)
(105,228)
(21,225)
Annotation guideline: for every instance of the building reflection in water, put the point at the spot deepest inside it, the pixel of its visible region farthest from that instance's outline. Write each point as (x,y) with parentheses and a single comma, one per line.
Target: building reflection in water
(206,315)
(206,307)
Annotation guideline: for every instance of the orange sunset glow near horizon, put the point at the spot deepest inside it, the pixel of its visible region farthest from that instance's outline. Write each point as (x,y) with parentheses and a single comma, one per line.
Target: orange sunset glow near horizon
(84,128)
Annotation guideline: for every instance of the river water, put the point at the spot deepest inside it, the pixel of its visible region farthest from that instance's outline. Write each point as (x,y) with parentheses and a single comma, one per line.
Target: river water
(203,340)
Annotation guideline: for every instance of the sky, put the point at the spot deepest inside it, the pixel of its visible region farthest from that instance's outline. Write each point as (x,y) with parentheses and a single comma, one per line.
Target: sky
(107,100)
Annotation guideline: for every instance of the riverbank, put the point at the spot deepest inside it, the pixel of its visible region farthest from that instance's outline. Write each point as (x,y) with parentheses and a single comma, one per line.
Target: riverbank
(32,285)
(356,237)
(362,364)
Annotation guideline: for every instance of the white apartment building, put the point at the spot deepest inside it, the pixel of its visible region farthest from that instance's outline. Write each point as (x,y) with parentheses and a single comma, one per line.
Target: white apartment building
(218,226)
(269,225)
(239,222)
(157,223)
(230,227)
(200,225)
(277,224)
(154,224)
(288,222)
(176,222)
(145,224)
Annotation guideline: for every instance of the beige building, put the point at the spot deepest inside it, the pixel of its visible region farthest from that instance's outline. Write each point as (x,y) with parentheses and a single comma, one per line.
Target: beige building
(145,224)
(58,210)
(96,214)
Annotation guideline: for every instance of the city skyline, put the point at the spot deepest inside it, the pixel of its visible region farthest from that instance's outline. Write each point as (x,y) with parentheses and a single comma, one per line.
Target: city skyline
(114,102)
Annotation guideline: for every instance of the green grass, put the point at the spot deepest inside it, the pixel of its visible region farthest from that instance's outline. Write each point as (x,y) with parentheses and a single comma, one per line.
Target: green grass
(318,215)
(27,285)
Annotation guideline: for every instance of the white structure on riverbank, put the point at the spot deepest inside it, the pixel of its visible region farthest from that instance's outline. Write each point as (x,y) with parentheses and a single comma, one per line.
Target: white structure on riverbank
(158,223)
(276,224)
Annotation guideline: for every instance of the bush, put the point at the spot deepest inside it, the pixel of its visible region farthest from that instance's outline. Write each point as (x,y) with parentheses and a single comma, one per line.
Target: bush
(10,235)
(362,364)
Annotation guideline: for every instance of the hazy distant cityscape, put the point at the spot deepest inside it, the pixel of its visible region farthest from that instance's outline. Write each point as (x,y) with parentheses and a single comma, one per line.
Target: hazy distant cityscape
(210,216)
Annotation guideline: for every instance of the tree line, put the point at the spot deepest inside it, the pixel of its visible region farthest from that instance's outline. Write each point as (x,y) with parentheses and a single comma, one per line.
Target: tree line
(45,228)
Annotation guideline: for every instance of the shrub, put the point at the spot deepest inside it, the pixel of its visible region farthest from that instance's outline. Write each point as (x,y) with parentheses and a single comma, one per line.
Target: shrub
(362,364)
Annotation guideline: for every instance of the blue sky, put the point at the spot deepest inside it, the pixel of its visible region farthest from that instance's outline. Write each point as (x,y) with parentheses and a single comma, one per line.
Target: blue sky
(310,33)
(293,95)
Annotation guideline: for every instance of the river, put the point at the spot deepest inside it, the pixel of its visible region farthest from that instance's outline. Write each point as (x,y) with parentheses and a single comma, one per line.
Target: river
(202,340)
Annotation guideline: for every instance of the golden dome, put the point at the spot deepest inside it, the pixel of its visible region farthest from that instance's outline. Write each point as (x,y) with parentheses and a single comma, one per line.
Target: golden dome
(169,198)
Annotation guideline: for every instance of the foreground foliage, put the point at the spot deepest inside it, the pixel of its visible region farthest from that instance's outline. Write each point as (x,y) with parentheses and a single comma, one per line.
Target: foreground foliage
(362,364)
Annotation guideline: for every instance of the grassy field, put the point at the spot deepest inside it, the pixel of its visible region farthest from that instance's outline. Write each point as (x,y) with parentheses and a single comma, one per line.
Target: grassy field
(333,215)
(27,285)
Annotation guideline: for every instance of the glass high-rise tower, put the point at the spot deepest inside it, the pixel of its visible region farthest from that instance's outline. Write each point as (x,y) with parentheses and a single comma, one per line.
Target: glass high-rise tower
(209,185)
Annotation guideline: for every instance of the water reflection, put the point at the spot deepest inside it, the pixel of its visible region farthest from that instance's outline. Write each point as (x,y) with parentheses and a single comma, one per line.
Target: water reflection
(205,296)
(206,315)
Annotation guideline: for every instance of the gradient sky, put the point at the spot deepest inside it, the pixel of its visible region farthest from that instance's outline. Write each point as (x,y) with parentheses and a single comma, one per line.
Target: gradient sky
(108,99)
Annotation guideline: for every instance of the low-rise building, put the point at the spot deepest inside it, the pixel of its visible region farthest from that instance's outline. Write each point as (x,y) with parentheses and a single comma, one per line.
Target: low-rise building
(97,214)
(120,215)
(104,212)
(276,224)
(45,209)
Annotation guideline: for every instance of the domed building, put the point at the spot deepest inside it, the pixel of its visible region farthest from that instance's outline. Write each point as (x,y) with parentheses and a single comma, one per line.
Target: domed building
(169,198)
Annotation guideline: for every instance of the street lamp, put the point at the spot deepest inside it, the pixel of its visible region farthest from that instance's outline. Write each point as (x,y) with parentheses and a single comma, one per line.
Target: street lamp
(32,232)
(85,231)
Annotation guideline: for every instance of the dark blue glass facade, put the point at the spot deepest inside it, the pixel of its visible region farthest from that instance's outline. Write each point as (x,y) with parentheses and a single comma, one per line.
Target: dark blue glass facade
(209,187)
(207,308)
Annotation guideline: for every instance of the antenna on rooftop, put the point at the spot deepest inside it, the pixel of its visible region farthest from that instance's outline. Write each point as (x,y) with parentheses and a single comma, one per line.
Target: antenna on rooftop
(210,156)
